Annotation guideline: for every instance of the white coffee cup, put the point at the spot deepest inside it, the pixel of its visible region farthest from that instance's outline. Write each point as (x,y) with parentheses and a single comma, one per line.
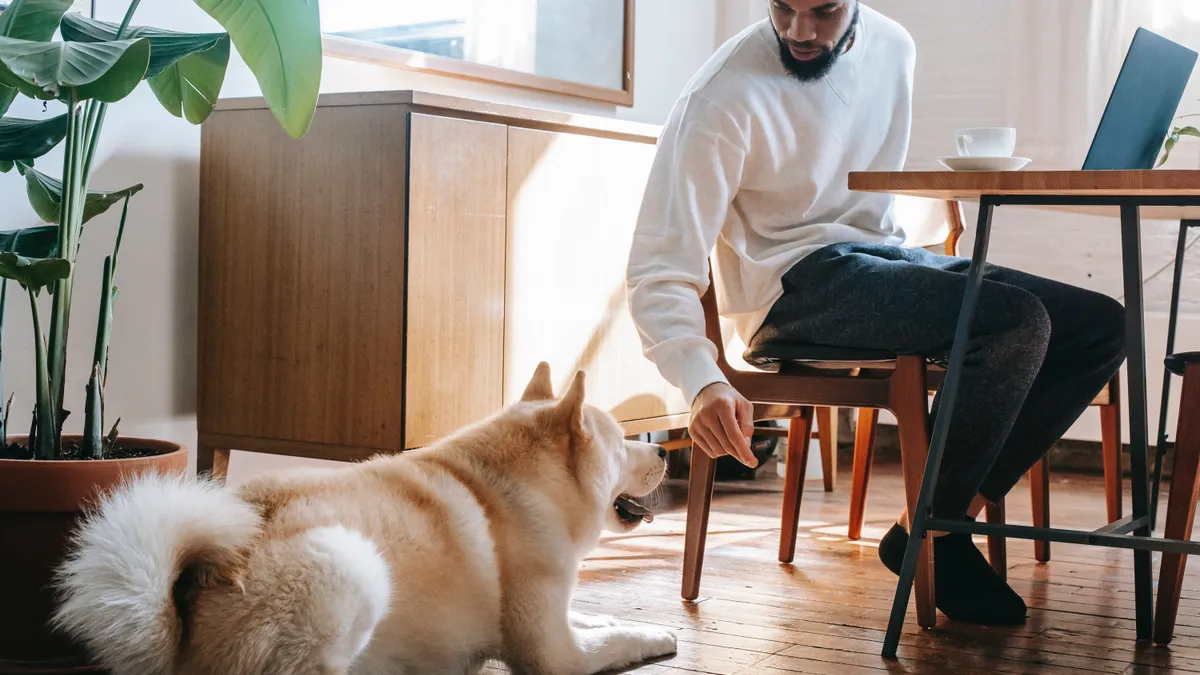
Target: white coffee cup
(986,142)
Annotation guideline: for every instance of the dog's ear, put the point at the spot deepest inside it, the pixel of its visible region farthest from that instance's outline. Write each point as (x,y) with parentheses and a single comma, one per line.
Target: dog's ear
(540,388)
(571,404)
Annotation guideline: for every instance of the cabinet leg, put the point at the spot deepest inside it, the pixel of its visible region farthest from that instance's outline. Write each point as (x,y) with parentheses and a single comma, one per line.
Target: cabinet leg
(212,461)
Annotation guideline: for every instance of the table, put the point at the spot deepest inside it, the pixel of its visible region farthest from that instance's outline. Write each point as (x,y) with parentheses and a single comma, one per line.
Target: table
(1156,194)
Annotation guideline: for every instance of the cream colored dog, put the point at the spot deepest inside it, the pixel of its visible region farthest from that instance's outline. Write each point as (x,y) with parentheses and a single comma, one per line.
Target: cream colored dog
(430,562)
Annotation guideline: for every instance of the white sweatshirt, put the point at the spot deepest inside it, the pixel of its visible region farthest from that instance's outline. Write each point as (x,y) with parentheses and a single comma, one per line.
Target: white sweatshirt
(754,164)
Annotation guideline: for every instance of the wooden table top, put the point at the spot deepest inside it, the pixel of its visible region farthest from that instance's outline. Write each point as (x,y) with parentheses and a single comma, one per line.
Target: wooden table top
(968,186)
(965,185)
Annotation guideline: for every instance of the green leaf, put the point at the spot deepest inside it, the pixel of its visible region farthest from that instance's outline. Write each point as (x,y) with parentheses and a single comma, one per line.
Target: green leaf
(189,87)
(166,47)
(29,20)
(7,96)
(26,139)
(33,273)
(5,166)
(34,20)
(45,196)
(1173,140)
(280,40)
(31,242)
(105,71)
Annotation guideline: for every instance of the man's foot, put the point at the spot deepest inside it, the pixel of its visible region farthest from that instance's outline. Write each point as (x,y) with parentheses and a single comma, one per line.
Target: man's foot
(967,587)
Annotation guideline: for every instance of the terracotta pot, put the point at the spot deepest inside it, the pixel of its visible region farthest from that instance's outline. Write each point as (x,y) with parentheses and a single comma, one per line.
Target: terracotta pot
(40,502)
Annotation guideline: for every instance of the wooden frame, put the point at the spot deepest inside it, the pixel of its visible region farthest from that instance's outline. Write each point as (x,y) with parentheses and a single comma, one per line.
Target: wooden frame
(396,57)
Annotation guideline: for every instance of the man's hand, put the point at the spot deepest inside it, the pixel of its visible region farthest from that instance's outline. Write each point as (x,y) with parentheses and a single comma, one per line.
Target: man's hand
(722,423)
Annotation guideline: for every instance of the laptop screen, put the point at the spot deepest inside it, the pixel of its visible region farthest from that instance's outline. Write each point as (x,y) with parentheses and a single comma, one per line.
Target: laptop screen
(1142,105)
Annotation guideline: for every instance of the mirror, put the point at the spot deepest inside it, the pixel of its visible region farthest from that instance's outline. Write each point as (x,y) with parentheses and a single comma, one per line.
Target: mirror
(575,47)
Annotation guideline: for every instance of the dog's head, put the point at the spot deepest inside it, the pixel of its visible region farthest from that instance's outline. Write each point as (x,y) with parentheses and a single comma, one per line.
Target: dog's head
(610,471)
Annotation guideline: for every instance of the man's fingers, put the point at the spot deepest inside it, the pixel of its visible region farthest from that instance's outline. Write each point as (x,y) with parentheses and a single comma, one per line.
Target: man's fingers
(745,417)
(739,444)
(703,439)
(709,424)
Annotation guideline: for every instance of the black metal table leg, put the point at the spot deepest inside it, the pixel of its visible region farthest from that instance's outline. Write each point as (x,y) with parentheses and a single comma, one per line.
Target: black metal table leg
(1135,338)
(941,427)
(1160,446)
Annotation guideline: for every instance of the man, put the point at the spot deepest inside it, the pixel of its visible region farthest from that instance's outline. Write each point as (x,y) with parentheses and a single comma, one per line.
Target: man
(753,165)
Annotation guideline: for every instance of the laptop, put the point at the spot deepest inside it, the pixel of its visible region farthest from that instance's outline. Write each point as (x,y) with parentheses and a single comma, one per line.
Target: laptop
(1142,105)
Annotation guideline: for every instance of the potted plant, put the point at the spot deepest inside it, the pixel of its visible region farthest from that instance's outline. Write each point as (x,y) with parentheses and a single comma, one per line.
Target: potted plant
(47,477)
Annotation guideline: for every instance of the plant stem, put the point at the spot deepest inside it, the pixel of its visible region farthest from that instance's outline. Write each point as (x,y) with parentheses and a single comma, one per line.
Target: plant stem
(61,292)
(110,284)
(97,111)
(120,233)
(100,355)
(3,415)
(46,447)
(93,125)
(93,425)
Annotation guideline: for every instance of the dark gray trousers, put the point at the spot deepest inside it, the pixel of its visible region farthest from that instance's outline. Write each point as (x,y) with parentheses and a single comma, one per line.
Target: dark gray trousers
(1040,351)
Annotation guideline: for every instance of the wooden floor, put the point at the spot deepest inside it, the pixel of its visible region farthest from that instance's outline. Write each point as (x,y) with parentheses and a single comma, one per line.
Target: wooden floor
(827,612)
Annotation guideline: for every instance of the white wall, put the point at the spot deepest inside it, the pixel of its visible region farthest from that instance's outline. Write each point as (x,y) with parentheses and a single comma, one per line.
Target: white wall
(152,379)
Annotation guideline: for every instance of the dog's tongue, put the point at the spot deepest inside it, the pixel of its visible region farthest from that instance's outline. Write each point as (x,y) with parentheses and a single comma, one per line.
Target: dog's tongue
(628,505)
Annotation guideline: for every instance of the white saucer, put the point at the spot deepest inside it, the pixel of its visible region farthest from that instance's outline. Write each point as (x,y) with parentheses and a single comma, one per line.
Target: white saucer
(984,163)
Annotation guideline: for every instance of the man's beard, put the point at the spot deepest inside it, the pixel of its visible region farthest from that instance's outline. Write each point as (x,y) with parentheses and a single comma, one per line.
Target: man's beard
(815,69)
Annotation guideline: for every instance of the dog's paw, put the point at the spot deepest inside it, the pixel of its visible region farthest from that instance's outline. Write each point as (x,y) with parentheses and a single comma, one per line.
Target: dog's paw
(586,621)
(655,642)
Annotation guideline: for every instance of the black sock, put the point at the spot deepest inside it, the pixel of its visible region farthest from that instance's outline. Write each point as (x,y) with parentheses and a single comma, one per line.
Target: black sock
(967,587)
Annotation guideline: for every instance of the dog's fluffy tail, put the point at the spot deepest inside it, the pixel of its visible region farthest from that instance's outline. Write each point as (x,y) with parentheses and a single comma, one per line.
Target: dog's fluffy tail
(118,580)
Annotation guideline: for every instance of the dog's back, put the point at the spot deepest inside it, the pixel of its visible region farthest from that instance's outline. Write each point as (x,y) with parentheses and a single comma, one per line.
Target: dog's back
(291,574)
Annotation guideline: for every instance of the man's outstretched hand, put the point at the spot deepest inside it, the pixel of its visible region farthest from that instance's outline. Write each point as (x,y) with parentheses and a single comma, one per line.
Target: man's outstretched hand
(723,423)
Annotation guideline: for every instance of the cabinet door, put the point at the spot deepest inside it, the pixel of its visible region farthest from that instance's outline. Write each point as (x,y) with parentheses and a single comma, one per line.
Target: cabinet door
(455,319)
(301,300)
(572,205)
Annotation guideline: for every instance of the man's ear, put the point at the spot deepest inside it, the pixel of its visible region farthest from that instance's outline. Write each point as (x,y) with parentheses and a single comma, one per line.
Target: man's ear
(540,388)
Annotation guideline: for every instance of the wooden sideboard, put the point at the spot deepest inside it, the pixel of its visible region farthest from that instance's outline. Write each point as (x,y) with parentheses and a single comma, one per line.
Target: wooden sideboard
(399,272)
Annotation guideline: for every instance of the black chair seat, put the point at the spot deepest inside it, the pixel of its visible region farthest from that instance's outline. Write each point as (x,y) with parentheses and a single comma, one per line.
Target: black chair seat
(1176,363)
(800,353)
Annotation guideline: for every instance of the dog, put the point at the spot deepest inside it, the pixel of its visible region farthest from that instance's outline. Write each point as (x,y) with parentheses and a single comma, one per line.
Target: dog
(433,561)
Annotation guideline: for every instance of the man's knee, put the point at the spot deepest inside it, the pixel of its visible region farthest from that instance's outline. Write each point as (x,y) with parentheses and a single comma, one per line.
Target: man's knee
(1021,325)
(1102,321)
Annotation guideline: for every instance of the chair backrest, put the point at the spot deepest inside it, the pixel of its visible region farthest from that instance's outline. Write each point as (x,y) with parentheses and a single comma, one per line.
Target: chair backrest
(928,223)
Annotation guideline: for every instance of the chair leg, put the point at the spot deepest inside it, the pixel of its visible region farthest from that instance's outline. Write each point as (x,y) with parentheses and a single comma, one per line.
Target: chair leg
(864,457)
(1110,434)
(700,487)
(1039,496)
(793,486)
(827,438)
(997,545)
(1181,505)
(909,403)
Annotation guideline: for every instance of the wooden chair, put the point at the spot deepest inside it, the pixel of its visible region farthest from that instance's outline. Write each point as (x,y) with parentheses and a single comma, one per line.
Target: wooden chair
(805,377)
(1109,402)
(819,378)
(1185,489)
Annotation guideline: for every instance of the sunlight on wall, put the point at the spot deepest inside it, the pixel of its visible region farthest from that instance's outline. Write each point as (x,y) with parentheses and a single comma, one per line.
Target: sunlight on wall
(573,203)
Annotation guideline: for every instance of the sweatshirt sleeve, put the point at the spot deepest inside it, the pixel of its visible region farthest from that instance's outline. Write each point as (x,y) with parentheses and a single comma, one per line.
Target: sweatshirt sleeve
(693,180)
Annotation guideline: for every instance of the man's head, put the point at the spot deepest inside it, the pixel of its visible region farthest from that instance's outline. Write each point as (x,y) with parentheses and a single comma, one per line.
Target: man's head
(812,34)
